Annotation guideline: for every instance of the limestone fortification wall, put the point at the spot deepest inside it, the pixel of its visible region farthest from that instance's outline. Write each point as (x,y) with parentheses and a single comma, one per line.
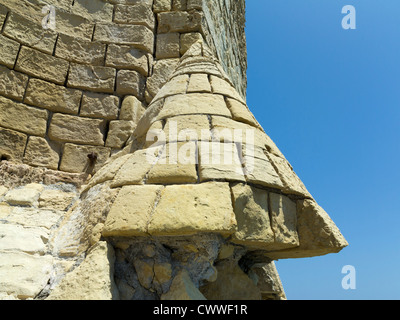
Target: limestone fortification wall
(84,213)
(81,88)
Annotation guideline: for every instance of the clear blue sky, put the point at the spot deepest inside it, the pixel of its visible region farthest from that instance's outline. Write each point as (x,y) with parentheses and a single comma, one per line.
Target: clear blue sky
(330,99)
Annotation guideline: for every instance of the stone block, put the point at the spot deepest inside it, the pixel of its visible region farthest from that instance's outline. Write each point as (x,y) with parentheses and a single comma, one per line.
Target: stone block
(221,86)
(93,10)
(131,211)
(199,83)
(56,199)
(284,221)
(24,275)
(12,145)
(168,45)
(137,35)
(76,285)
(194,103)
(29,33)
(12,83)
(66,128)
(74,25)
(127,57)
(32,217)
(140,14)
(92,78)
(41,65)
(97,105)
(80,51)
(119,132)
(183,288)
(194,4)
(162,71)
(220,161)
(8,51)
(176,165)
(134,170)
(179,5)
(131,109)
(75,158)
(292,183)
(240,112)
(176,85)
(187,40)
(192,209)
(22,118)
(162,5)
(25,196)
(193,127)
(179,21)
(3,15)
(130,82)
(41,153)
(53,97)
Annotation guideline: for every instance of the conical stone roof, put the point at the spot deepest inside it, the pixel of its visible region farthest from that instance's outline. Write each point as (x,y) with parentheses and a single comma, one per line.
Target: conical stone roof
(199,163)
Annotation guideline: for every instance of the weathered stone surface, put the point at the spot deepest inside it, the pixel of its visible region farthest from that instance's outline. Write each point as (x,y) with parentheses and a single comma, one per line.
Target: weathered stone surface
(12,145)
(68,128)
(187,40)
(56,199)
(179,21)
(130,82)
(131,211)
(194,103)
(266,277)
(8,51)
(194,127)
(12,84)
(29,33)
(75,158)
(24,275)
(93,10)
(137,35)
(77,285)
(221,86)
(26,196)
(168,46)
(136,167)
(240,112)
(199,83)
(98,79)
(41,65)
(127,57)
(19,239)
(162,5)
(97,105)
(135,14)
(42,153)
(176,85)
(191,209)
(317,232)
(292,183)
(52,97)
(253,217)
(119,132)
(3,14)
(22,118)
(32,217)
(284,221)
(231,284)
(131,109)
(161,72)
(183,288)
(176,165)
(220,161)
(80,51)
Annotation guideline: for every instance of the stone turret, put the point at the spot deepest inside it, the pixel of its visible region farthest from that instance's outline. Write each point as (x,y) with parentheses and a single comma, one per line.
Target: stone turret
(132,167)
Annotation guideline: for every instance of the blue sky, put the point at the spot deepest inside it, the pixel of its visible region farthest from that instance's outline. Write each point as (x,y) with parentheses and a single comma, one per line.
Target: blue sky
(330,99)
